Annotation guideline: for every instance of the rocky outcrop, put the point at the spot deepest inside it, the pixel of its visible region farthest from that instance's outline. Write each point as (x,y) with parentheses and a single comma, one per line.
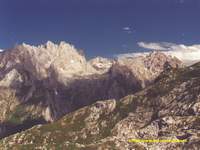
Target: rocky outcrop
(50,80)
(101,65)
(166,110)
(148,67)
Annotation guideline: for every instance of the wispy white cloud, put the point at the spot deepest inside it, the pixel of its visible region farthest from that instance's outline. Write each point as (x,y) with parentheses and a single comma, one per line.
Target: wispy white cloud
(156,46)
(187,54)
(127,30)
(1,50)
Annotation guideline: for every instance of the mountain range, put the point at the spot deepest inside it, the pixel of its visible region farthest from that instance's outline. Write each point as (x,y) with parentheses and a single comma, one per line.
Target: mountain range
(52,97)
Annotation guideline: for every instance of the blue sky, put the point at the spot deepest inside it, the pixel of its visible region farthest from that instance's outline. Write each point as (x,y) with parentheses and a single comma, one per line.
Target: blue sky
(100,27)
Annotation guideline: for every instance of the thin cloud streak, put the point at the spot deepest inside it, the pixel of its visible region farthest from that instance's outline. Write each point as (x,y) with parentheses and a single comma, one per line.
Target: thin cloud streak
(126,28)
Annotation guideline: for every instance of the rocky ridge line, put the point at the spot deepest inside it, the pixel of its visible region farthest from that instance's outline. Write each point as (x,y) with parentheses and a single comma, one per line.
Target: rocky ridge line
(43,83)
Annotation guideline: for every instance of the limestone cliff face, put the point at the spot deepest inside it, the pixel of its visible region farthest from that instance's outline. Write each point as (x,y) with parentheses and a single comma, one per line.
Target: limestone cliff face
(41,60)
(48,81)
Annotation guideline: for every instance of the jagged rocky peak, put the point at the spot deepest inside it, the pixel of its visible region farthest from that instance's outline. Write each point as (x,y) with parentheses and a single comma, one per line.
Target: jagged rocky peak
(157,59)
(147,67)
(40,60)
(63,61)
